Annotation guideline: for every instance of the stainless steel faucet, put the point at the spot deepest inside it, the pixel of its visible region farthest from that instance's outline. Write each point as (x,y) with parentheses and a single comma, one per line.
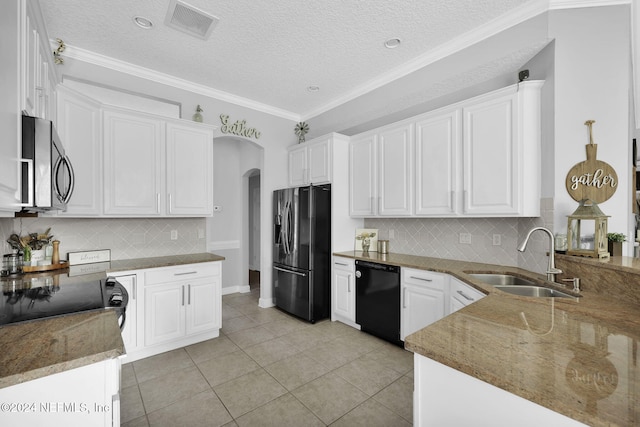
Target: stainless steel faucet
(551,268)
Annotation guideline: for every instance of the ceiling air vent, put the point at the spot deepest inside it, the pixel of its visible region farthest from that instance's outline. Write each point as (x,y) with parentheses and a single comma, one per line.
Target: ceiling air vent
(188,19)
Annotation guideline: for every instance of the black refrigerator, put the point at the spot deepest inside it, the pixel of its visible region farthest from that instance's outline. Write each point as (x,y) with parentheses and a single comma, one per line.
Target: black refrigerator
(302,251)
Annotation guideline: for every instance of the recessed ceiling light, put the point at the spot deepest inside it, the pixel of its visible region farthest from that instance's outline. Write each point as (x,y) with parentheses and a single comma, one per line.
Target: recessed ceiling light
(313,89)
(143,22)
(392,43)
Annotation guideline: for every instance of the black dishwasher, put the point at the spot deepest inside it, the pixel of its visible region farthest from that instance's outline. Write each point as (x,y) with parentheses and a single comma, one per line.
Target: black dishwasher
(378,300)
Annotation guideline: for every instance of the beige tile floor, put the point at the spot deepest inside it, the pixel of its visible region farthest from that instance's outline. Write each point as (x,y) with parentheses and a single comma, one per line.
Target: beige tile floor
(270,369)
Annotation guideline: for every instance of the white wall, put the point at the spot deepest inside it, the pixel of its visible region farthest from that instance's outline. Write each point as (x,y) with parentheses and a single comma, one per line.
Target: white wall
(592,63)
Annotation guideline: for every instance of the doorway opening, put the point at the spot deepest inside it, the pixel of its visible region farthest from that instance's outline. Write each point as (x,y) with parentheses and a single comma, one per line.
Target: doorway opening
(253,204)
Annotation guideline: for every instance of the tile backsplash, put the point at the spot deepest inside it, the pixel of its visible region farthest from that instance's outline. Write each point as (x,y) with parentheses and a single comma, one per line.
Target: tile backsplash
(126,237)
(440,238)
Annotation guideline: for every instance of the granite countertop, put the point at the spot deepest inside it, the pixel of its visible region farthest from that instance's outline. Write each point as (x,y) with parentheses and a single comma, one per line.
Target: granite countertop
(38,348)
(163,261)
(575,356)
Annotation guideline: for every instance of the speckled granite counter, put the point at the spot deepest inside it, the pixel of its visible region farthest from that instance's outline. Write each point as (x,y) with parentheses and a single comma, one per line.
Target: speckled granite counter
(35,349)
(578,357)
(164,261)
(38,348)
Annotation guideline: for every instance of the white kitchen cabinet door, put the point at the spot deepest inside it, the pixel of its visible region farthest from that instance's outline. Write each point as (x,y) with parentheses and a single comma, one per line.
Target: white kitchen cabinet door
(363,176)
(423,299)
(189,169)
(130,332)
(133,160)
(164,313)
(395,147)
(203,305)
(30,63)
(319,162)
(10,106)
(438,150)
(310,162)
(298,166)
(461,295)
(344,292)
(490,157)
(79,125)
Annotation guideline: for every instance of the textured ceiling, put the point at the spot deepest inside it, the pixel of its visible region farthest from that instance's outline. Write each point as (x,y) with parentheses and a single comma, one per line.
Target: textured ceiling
(271,51)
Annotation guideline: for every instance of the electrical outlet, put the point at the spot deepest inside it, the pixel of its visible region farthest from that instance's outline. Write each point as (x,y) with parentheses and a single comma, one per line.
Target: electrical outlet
(497,239)
(174,234)
(465,238)
(200,233)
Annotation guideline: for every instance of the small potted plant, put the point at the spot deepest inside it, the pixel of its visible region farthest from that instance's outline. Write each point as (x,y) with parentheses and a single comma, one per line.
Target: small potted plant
(615,243)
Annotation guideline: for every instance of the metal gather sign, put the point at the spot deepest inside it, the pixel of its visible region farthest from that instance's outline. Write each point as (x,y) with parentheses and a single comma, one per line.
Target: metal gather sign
(238,128)
(592,179)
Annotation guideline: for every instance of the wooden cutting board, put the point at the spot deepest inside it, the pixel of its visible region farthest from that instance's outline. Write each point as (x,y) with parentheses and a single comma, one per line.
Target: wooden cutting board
(591,179)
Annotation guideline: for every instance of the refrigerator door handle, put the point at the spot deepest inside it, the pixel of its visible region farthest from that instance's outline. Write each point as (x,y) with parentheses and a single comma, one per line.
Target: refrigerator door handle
(290,271)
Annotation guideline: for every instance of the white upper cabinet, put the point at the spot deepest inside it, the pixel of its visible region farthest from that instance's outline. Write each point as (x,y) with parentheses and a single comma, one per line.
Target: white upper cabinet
(189,169)
(363,176)
(438,146)
(476,158)
(39,80)
(501,146)
(395,148)
(10,104)
(133,159)
(381,172)
(311,162)
(79,127)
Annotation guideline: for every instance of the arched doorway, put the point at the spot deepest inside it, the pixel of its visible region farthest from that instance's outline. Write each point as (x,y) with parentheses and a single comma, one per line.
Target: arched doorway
(238,164)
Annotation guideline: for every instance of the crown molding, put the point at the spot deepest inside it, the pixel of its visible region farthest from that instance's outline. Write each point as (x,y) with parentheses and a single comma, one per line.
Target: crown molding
(573,4)
(80,54)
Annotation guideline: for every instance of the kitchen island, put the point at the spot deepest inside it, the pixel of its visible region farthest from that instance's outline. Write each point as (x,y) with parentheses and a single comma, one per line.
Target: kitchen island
(576,357)
(65,370)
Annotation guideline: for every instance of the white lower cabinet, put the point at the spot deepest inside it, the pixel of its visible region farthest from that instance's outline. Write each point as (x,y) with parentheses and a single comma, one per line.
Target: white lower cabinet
(461,295)
(130,332)
(344,291)
(423,299)
(171,307)
(85,396)
(444,396)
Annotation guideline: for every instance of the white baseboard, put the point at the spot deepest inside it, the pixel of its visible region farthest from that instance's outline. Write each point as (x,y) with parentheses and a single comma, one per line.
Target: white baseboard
(266,302)
(236,289)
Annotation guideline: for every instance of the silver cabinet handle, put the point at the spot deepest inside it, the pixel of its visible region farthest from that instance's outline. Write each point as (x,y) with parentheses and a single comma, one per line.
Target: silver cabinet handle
(468,298)
(342,264)
(184,274)
(189,295)
(135,285)
(404,298)
(421,278)
(289,271)
(169,204)
(182,294)
(349,286)
(158,202)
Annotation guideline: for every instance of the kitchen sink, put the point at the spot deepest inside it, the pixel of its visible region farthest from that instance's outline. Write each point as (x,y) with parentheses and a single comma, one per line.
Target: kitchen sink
(518,286)
(502,279)
(533,291)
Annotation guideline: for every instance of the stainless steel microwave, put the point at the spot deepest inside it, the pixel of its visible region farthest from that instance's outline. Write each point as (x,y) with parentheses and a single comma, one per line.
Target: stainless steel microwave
(47,174)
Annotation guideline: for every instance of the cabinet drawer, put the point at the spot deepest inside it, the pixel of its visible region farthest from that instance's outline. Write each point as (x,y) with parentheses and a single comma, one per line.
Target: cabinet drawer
(181,273)
(346,264)
(423,277)
(464,292)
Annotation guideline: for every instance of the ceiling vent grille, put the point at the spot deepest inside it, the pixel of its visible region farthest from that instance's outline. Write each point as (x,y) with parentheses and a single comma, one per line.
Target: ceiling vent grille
(190,20)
